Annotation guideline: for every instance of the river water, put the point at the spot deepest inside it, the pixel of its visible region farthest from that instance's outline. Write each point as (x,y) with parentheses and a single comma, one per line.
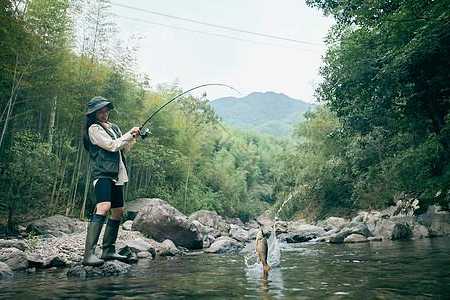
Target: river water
(378,270)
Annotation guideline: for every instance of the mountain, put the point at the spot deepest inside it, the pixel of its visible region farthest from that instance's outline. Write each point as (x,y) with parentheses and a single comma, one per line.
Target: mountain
(268,112)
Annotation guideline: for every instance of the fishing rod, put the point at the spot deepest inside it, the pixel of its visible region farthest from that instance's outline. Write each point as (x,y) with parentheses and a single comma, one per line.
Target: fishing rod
(144,132)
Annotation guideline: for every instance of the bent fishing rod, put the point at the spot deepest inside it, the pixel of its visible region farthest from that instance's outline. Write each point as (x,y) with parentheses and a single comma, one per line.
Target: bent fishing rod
(144,132)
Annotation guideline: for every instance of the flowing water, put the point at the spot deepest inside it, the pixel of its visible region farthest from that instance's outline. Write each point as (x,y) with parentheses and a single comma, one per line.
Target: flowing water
(379,270)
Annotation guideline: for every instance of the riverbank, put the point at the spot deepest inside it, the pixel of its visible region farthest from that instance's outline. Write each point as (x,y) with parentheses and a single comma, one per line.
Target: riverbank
(159,231)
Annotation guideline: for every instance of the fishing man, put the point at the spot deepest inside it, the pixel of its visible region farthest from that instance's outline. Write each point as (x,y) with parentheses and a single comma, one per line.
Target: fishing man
(106,146)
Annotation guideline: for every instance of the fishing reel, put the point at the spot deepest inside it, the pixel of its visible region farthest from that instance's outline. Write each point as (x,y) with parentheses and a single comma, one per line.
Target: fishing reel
(144,133)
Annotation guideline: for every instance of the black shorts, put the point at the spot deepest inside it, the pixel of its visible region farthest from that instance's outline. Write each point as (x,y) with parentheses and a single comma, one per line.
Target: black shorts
(107,191)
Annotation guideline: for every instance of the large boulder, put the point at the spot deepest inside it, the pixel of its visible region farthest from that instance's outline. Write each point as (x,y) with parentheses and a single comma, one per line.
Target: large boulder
(5,271)
(161,221)
(56,226)
(132,208)
(302,233)
(394,228)
(16,259)
(436,220)
(225,244)
(265,220)
(211,219)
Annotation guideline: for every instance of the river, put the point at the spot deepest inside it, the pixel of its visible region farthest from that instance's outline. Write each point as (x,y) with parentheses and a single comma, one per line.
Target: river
(377,270)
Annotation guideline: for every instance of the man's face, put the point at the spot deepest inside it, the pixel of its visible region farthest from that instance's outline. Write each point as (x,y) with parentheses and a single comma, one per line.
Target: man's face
(102,114)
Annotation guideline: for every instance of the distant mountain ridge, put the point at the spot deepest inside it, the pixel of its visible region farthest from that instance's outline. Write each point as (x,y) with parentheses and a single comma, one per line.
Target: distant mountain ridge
(268,112)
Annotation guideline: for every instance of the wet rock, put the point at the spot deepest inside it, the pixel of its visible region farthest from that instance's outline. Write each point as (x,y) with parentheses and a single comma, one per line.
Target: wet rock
(131,256)
(14,243)
(5,271)
(355,238)
(238,233)
(109,268)
(56,225)
(224,244)
(436,220)
(16,259)
(374,239)
(161,221)
(211,219)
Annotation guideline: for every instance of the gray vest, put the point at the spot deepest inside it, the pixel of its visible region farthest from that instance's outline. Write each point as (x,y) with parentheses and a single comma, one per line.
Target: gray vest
(105,163)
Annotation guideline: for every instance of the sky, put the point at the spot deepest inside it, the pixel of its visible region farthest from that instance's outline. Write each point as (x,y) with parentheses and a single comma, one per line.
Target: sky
(257,64)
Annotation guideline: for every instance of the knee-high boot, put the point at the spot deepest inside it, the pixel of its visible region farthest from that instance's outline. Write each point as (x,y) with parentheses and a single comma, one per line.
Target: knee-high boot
(109,241)
(93,233)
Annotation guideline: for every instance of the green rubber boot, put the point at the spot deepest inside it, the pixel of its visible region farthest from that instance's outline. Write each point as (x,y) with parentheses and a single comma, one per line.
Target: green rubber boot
(109,241)
(93,233)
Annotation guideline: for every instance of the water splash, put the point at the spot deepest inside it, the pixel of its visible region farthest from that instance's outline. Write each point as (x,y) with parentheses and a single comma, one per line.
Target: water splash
(273,258)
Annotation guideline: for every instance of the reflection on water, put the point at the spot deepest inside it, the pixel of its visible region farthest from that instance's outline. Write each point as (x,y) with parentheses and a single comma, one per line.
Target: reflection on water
(381,270)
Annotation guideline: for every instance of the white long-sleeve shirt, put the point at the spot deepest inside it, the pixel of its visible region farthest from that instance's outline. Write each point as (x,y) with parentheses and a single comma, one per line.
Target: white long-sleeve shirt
(98,136)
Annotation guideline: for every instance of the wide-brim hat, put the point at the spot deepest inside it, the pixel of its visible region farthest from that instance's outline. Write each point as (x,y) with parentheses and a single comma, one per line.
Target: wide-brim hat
(97,103)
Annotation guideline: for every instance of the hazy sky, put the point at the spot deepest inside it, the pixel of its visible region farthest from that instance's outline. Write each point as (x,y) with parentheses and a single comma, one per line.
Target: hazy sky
(170,55)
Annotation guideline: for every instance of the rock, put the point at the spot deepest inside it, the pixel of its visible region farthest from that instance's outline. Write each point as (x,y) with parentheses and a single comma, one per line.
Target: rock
(234,221)
(132,208)
(143,254)
(206,230)
(393,229)
(168,248)
(109,268)
(211,219)
(419,232)
(252,233)
(333,223)
(36,261)
(352,228)
(141,245)
(374,238)
(5,271)
(161,221)
(19,244)
(127,225)
(131,256)
(238,233)
(208,240)
(252,224)
(56,225)
(436,220)
(265,219)
(355,238)
(224,244)
(303,233)
(16,259)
